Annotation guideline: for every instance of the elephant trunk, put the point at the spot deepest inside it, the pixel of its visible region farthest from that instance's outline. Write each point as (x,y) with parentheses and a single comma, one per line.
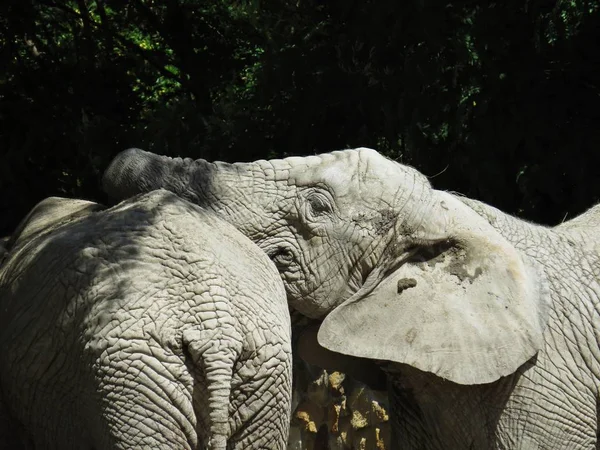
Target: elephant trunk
(218,186)
(135,171)
(214,352)
(239,192)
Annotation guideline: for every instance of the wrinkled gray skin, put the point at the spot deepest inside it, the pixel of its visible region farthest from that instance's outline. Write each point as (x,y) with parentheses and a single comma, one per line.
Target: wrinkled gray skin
(153,324)
(487,325)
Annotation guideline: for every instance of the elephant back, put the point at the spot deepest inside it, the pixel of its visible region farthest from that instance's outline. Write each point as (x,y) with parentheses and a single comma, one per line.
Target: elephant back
(48,215)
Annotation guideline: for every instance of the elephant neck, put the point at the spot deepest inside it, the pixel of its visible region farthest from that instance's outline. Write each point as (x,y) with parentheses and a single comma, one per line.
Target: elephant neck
(525,236)
(569,256)
(430,412)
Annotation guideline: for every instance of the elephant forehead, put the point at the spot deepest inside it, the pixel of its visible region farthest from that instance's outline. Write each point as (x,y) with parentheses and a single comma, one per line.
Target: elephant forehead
(359,174)
(334,169)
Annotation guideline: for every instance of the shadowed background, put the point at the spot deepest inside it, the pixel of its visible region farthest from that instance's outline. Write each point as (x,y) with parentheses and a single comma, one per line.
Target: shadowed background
(499,101)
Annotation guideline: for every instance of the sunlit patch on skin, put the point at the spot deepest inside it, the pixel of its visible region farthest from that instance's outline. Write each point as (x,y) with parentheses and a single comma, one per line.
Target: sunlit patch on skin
(335,175)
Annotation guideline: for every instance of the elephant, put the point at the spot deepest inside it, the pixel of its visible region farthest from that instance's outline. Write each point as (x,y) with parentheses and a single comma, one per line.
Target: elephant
(47,214)
(151,324)
(487,326)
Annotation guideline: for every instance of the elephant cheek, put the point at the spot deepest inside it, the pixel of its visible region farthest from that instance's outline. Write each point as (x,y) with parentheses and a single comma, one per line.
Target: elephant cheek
(317,276)
(316,303)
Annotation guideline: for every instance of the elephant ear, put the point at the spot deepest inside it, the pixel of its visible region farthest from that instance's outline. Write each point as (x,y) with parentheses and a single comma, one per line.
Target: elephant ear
(470,309)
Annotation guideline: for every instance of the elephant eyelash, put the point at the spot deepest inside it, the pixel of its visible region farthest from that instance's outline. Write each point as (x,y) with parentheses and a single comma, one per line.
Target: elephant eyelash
(318,203)
(281,256)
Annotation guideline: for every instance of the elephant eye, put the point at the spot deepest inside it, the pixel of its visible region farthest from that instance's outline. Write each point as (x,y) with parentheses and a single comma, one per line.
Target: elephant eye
(281,256)
(319,204)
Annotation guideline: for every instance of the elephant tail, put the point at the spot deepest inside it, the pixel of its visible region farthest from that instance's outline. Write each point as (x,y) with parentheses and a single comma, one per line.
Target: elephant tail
(215,352)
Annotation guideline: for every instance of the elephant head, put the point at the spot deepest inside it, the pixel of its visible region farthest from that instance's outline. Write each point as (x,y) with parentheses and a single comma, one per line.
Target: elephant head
(398,270)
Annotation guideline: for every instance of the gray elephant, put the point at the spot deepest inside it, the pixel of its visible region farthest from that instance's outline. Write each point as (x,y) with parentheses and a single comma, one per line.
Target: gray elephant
(488,326)
(152,324)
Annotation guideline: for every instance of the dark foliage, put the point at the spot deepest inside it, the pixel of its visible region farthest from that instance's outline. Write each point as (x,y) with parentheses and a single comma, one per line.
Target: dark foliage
(499,101)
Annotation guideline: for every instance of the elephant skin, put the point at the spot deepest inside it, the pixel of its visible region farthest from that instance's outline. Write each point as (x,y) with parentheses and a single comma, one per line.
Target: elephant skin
(152,324)
(488,326)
